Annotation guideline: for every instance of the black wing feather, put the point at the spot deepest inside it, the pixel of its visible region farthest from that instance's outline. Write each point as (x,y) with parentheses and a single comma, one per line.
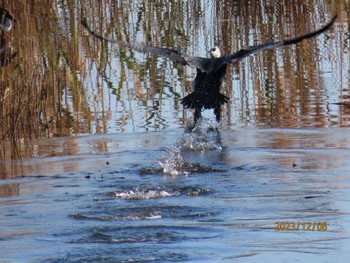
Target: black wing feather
(253,49)
(172,54)
(208,64)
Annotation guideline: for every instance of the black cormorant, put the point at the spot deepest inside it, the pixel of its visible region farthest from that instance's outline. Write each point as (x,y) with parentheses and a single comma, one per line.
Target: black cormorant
(210,71)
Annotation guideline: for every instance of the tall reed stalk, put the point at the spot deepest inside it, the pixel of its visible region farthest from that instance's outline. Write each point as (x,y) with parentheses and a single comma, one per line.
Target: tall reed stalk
(43,90)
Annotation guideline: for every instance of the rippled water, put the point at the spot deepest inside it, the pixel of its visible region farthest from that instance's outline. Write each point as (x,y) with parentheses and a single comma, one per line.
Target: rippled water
(124,203)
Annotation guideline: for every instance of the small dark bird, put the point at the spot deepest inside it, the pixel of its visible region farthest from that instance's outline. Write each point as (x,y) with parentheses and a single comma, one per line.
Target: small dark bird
(6,23)
(6,20)
(210,71)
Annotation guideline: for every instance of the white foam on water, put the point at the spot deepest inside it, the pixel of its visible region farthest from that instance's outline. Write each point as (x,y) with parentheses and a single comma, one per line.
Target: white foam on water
(143,194)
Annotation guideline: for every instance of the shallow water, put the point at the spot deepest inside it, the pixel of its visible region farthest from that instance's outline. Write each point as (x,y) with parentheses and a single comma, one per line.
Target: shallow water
(100,205)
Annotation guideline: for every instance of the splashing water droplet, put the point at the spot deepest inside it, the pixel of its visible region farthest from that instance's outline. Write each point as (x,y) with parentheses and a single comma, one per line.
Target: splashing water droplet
(202,138)
(173,162)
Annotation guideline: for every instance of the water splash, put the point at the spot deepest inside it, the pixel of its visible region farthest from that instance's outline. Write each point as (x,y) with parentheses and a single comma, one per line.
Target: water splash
(201,138)
(173,162)
(143,194)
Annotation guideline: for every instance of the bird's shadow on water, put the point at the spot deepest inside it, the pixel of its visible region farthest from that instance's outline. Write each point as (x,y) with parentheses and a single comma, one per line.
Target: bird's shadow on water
(197,150)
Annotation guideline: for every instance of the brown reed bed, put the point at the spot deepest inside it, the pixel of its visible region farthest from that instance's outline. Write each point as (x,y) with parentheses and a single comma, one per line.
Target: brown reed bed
(48,64)
(55,56)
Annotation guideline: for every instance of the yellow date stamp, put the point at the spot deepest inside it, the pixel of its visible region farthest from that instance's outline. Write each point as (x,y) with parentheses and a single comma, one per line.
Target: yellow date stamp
(300,226)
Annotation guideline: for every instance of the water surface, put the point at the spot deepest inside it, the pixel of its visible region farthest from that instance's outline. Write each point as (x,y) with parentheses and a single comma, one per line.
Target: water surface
(121,179)
(118,205)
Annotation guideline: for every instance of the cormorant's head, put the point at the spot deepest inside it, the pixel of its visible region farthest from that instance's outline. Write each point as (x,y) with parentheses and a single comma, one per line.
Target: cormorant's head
(215,52)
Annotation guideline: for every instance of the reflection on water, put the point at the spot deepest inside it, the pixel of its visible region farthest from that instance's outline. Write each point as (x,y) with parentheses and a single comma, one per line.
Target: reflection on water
(143,188)
(63,82)
(96,204)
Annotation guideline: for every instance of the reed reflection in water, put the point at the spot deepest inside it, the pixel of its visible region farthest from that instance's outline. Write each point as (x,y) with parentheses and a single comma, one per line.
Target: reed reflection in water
(214,196)
(63,82)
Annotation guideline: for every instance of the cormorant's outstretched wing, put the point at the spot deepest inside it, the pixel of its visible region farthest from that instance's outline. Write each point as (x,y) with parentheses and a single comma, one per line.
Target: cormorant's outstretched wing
(174,55)
(207,64)
(253,49)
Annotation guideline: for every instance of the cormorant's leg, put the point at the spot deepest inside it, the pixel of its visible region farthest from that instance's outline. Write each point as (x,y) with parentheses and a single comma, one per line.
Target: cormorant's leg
(197,115)
(217,112)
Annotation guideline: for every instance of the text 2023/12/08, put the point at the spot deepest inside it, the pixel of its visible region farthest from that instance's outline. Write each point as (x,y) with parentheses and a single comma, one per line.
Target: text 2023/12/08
(296,226)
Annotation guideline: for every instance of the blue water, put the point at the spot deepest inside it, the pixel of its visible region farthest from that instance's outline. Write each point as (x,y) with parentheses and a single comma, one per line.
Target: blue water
(113,199)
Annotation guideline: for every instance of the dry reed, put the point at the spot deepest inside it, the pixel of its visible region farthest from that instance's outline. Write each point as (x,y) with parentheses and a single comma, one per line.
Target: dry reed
(55,57)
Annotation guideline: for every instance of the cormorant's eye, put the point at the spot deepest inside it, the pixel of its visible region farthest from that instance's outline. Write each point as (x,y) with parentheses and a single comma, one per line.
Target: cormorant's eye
(213,49)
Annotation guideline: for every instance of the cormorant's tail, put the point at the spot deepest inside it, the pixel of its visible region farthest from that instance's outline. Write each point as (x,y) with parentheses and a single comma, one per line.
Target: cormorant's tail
(199,100)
